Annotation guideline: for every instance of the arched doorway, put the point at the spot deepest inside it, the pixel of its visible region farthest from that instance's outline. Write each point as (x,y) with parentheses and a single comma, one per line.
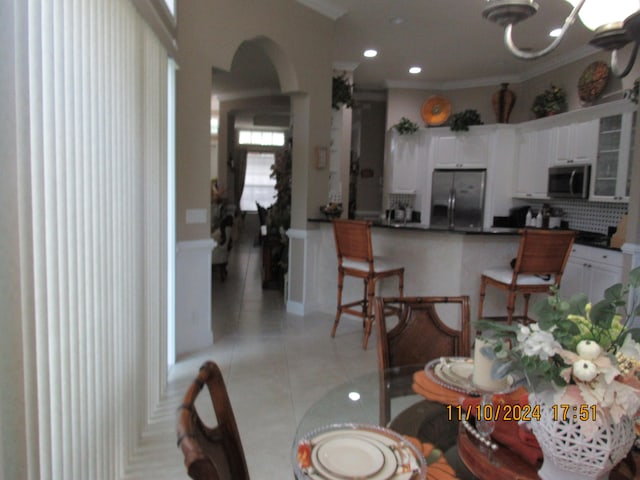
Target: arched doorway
(249,99)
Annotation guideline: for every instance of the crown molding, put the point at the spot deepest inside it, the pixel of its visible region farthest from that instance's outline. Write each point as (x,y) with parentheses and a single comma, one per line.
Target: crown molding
(345,66)
(537,69)
(324,7)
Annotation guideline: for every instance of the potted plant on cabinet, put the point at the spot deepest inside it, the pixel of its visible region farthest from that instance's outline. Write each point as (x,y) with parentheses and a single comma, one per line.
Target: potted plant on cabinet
(406,126)
(550,102)
(461,121)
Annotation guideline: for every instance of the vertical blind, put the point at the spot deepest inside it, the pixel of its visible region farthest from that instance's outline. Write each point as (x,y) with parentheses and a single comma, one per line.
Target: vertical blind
(97,107)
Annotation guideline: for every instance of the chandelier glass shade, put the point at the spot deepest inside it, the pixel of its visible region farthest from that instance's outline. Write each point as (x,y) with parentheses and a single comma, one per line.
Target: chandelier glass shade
(598,13)
(615,23)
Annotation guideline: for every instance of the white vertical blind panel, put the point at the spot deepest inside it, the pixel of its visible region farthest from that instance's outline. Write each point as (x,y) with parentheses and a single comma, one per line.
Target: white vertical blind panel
(36,118)
(98,103)
(94,221)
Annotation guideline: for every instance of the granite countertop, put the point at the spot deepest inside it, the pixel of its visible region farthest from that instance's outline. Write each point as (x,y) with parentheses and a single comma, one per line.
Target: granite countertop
(590,239)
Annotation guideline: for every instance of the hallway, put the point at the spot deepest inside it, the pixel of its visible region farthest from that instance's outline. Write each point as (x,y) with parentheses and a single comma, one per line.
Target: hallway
(275,364)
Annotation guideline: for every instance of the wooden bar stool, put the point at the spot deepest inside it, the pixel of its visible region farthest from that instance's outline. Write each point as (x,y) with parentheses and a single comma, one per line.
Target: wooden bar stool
(355,258)
(540,263)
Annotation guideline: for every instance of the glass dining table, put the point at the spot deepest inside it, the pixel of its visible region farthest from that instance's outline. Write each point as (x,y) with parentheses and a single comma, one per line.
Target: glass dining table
(361,401)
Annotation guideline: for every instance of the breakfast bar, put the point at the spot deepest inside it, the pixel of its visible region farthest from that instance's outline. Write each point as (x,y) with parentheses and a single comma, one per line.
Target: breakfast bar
(437,262)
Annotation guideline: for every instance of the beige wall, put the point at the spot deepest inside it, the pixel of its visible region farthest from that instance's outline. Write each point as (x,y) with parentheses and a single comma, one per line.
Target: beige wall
(298,41)
(407,103)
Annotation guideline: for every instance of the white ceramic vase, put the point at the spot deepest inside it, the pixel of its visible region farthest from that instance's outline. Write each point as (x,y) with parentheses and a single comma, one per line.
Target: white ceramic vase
(568,454)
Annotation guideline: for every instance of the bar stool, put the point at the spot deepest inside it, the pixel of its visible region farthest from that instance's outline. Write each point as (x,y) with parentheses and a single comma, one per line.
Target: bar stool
(356,259)
(540,263)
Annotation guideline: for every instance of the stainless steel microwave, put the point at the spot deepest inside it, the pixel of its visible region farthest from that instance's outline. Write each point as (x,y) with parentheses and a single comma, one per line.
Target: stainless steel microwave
(569,181)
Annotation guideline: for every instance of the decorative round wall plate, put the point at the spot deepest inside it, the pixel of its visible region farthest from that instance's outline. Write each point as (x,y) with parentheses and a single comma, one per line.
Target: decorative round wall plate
(593,81)
(436,110)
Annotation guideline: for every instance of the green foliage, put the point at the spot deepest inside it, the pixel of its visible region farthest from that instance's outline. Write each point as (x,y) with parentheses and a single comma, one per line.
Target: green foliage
(406,126)
(553,100)
(570,321)
(341,92)
(461,121)
(279,214)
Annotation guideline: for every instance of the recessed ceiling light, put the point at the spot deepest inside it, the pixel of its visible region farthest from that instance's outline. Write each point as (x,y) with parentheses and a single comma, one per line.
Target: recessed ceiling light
(555,32)
(370,53)
(415,70)
(396,20)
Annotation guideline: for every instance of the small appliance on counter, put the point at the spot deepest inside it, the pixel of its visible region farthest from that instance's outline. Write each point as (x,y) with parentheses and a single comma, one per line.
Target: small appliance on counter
(555,218)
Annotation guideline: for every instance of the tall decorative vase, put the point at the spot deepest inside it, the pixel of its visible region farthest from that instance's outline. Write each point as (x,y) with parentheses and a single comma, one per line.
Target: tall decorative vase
(503,101)
(568,453)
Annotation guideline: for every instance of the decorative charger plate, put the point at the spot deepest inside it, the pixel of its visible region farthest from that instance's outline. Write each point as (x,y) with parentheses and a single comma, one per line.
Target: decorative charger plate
(356,451)
(455,373)
(593,81)
(436,110)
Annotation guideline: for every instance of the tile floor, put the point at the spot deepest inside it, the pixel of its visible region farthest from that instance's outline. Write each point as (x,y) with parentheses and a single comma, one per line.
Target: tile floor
(275,364)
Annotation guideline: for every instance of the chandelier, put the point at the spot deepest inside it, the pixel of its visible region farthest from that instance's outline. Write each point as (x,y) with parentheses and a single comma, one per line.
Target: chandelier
(614,23)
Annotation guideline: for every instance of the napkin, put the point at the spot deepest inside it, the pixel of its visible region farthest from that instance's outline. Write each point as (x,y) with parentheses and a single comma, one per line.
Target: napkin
(510,433)
(437,466)
(431,390)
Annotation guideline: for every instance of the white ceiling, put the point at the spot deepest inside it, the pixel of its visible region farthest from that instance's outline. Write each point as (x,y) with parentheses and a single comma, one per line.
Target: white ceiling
(449,39)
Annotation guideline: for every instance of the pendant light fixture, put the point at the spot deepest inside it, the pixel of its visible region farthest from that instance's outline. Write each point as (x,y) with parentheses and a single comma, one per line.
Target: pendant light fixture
(615,23)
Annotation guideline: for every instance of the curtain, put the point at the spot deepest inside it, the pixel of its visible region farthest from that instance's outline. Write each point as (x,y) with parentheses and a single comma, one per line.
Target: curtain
(92,111)
(240,171)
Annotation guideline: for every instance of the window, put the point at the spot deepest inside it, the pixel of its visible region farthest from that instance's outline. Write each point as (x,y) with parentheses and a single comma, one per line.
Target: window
(261,137)
(258,184)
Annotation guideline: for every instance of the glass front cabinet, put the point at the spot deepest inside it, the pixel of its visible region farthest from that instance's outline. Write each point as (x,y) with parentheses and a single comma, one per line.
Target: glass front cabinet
(611,174)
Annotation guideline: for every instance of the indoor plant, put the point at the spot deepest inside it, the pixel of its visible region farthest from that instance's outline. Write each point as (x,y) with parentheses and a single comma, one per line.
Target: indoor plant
(581,364)
(406,126)
(553,100)
(461,121)
(341,92)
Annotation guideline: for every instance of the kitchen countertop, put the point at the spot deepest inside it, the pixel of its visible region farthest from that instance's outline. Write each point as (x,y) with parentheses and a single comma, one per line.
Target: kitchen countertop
(582,238)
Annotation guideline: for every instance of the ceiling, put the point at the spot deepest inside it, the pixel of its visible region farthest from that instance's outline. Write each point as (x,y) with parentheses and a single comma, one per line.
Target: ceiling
(449,39)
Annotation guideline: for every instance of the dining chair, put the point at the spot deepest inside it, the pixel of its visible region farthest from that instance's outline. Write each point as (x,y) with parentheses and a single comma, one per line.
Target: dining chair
(210,453)
(223,237)
(422,333)
(542,257)
(356,259)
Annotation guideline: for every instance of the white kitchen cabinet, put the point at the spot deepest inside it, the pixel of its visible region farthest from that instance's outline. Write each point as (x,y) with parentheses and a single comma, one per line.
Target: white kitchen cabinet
(461,149)
(577,143)
(591,270)
(611,173)
(534,153)
(401,163)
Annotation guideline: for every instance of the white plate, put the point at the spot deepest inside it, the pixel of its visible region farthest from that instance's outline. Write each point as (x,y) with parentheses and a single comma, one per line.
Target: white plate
(456,373)
(401,460)
(351,457)
(453,372)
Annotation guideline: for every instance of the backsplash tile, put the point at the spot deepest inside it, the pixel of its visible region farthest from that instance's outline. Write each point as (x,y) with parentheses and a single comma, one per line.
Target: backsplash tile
(587,216)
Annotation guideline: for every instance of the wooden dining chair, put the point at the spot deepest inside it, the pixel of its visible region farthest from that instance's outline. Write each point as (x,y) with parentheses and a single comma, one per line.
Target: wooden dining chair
(356,259)
(210,453)
(542,257)
(419,335)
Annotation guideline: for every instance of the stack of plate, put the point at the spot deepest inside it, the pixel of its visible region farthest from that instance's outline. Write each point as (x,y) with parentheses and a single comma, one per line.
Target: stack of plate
(352,451)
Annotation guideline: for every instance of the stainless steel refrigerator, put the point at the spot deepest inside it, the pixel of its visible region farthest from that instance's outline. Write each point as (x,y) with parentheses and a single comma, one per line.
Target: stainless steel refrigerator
(457,199)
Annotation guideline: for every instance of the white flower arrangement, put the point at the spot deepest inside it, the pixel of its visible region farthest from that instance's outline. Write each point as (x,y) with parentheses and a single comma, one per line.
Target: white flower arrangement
(582,354)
